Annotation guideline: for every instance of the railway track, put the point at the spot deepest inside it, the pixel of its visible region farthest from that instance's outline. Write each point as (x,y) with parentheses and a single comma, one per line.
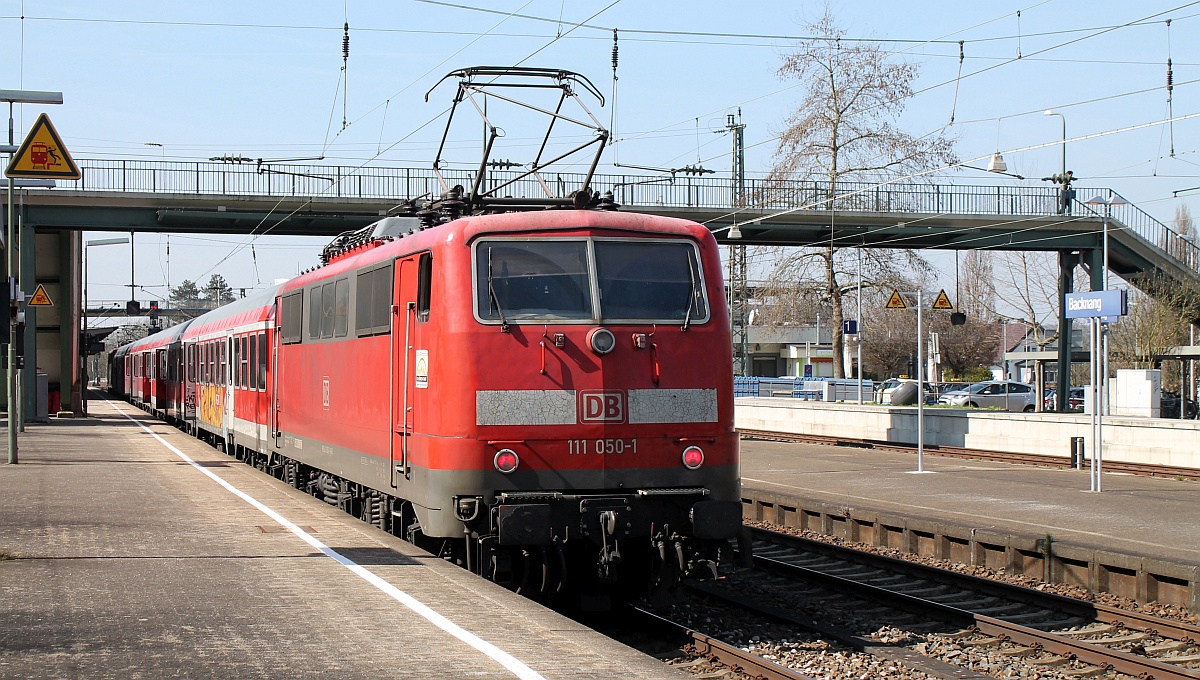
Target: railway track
(735,659)
(1039,629)
(1192,474)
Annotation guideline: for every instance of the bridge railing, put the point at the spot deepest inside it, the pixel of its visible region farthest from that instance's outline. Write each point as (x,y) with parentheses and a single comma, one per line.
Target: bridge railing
(272,179)
(706,192)
(1133,219)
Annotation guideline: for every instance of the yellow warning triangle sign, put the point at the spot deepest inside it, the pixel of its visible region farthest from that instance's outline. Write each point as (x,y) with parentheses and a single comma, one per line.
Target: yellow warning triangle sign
(895,301)
(41,298)
(942,301)
(43,155)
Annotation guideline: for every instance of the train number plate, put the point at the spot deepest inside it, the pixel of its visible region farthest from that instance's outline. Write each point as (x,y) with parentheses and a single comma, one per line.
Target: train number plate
(601,446)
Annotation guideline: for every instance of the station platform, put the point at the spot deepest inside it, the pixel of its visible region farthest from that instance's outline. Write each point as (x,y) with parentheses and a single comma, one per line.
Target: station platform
(128,549)
(1137,537)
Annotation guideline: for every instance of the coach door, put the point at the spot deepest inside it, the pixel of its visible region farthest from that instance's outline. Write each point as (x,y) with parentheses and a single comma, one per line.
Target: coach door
(189,383)
(225,371)
(410,359)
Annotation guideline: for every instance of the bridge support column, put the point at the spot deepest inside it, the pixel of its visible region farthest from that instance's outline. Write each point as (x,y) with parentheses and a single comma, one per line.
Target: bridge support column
(1095,260)
(1066,284)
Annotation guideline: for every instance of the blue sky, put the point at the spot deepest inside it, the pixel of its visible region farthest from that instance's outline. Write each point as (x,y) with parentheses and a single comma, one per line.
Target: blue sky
(187,81)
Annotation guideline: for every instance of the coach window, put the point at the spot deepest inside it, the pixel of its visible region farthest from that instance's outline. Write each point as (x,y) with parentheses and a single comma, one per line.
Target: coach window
(249,365)
(341,304)
(237,365)
(225,352)
(244,362)
(293,315)
(424,282)
(262,361)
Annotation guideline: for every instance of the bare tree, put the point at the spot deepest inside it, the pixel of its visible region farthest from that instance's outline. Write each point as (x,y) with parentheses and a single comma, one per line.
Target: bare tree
(977,286)
(1159,314)
(843,129)
(1028,283)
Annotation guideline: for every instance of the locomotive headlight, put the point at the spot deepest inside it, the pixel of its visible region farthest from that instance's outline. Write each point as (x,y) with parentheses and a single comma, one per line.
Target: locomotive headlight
(601,340)
(506,460)
(693,457)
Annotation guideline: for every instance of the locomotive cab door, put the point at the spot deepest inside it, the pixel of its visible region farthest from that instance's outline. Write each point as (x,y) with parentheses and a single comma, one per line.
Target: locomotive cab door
(410,358)
(273,370)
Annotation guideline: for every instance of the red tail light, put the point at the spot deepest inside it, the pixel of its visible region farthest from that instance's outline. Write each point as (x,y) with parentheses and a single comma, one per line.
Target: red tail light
(693,457)
(506,460)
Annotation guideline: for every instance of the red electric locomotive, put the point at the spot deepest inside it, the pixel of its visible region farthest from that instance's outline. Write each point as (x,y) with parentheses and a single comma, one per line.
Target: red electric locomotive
(525,392)
(543,395)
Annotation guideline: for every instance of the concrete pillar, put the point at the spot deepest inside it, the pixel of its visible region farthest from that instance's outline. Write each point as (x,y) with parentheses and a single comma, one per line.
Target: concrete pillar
(1066,284)
(28,284)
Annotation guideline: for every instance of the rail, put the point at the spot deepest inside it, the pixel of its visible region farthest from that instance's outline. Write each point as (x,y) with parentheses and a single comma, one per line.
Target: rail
(645,191)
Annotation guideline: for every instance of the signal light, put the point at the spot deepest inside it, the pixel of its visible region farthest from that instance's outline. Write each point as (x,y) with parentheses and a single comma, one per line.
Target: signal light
(693,457)
(506,460)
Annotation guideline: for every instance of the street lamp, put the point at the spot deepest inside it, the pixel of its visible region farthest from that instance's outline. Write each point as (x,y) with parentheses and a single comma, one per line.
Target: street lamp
(1052,112)
(14,396)
(1097,201)
(1108,203)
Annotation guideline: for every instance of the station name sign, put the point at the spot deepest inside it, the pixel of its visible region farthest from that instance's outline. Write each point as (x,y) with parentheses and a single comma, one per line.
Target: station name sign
(1107,303)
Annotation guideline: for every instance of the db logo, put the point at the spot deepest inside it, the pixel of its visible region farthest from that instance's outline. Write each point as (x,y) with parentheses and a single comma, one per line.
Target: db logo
(602,407)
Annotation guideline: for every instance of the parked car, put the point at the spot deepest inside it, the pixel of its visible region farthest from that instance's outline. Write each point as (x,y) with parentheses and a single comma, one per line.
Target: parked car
(884,390)
(1169,406)
(947,387)
(1010,396)
(1074,400)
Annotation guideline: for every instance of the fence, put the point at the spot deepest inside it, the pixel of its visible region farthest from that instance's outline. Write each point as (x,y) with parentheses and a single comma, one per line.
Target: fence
(808,389)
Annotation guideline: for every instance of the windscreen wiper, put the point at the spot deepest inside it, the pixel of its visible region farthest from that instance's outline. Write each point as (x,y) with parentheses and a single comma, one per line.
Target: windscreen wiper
(687,317)
(495,298)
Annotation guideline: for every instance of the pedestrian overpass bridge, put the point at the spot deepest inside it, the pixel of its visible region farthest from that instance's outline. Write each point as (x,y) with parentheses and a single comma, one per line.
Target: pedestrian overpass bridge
(253,198)
(323,200)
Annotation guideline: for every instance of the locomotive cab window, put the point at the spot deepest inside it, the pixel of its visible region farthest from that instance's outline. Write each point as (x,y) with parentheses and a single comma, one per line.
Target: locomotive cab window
(595,280)
(649,281)
(424,284)
(532,280)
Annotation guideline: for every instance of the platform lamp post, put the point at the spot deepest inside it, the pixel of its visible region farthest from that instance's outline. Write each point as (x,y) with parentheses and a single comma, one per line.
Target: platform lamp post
(12,261)
(86,342)
(1063,167)
(1095,202)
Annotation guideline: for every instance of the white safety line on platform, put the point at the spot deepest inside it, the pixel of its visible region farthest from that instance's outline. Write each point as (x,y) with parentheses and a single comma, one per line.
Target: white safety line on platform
(495,653)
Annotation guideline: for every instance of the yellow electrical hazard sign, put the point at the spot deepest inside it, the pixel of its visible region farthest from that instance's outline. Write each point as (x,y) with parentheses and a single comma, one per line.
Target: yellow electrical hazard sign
(43,155)
(895,301)
(942,301)
(41,298)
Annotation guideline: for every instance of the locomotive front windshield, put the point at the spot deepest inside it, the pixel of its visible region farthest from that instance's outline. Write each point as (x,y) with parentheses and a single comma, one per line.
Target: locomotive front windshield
(589,280)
